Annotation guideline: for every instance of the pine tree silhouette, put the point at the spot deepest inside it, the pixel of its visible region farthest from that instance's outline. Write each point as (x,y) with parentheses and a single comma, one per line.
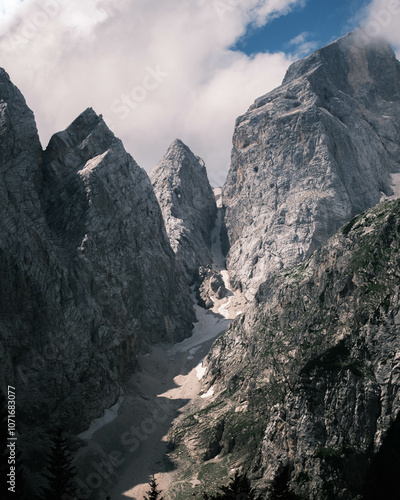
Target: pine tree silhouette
(383,478)
(154,493)
(238,489)
(280,485)
(61,472)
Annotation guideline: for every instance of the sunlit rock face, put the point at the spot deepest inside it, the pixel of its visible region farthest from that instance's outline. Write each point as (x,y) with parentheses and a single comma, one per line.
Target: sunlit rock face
(310,155)
(306,382)
(188,206)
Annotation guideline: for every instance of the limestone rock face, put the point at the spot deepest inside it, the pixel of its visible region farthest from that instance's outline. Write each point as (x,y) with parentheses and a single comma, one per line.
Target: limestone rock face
(188,205)
(310,155)
(87,272)
(306,383)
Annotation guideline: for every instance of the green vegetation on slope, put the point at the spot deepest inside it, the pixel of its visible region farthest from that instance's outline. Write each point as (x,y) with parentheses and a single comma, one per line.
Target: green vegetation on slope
(311,349)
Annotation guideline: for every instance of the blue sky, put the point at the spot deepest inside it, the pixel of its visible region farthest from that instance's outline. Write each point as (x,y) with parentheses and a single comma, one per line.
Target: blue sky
(320,21)
(158,70)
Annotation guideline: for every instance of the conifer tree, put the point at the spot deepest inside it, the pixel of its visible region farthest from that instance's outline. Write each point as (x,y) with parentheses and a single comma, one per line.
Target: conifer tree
(280,489)
(154,493)
(61,472)
(238,489)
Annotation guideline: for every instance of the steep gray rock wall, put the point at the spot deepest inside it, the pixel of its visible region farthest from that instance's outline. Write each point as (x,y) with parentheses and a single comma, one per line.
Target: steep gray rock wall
(310,155)
(87,272)
(28,264)
(309,379)
(188,205)
(104,217)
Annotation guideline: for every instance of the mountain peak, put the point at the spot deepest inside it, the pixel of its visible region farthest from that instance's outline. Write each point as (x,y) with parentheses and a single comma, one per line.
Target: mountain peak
(88,136)
(177,152)
(311,154)
(88,115)
(353,58)
(187,202)
(87,122)
(177,143)
(17,122)
(4,75)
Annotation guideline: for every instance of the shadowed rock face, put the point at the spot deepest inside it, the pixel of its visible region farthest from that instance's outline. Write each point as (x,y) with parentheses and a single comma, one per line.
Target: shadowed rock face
(188,205)
(87,272)
(310,155)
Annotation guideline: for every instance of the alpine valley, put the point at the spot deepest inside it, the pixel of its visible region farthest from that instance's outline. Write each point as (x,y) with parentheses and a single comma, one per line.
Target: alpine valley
(176,330)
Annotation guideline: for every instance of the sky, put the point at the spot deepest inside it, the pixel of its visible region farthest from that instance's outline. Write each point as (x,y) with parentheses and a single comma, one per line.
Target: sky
(158,70)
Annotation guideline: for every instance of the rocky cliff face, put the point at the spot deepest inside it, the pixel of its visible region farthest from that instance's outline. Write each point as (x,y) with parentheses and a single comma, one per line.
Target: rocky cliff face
(307,382)
(87,272)
(310,155)
(188,205)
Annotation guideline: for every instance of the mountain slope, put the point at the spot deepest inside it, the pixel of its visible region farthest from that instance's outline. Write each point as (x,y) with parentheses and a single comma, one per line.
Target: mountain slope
(308,379)
(310,155)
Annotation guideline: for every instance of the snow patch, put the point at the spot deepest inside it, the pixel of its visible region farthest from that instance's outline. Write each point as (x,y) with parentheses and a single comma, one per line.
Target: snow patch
(218,196)
(395,186)
(208,327)
(209,393)
(109,415)
(200,371)
(92,164)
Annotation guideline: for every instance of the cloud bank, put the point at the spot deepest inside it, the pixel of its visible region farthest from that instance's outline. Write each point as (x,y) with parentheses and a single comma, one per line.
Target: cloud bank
(382,19)
(155,70)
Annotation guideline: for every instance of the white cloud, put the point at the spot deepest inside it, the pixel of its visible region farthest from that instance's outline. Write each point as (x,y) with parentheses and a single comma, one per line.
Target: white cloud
(382,19)
(155,70)
(302,45)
